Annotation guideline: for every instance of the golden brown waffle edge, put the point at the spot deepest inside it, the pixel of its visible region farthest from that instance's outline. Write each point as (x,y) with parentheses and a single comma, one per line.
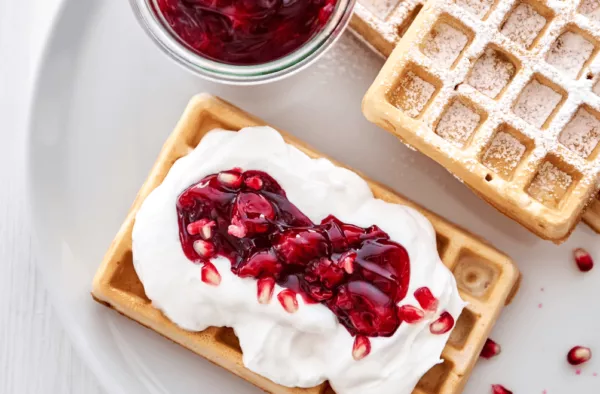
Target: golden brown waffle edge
(487,278)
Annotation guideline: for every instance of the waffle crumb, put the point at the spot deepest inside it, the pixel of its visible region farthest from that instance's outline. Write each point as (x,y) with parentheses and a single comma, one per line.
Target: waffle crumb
(458,123)
(412,94)
(491,73)
(444,44)
(523,25)
(569,53)
(504,154)
(582,134)
(550,185)
(591,9)
(479,8)
(536,102)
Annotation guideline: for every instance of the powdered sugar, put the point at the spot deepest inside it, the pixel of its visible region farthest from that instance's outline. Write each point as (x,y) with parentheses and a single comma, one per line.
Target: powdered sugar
(569,53)
(380,8)
(504,154)
(591,9)
(597,88)
(536,103)
(491,73)
(458,123)
(479,8)
(523,25)
(444,44)
(412,94)
(582,134)
(550,184)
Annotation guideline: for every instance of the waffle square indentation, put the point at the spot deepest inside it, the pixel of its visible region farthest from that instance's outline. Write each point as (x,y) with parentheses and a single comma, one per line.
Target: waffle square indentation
(524,24)
(492,72)
(475,275)
(125,278)
(591,9)
(570,52)
(445,42)
(506,151)
(414,91)
(582,133)
(459,122)
(433,381)
(552,182)
(538,101)
(463,328)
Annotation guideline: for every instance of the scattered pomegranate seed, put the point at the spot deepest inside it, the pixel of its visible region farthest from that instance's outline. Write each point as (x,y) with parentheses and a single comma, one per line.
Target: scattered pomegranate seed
(347,262)
(410,314)
(498,389)
(361,348)
(204,249)
(265,288)
(426,299)
(442,325)
(210,275)
(583,259)
(288,300)
(230,179)
(254,182)
(237,228)
(490,349)
(579,355)
(202,227)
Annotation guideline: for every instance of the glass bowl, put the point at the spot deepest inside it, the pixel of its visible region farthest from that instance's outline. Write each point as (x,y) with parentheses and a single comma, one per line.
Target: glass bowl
(154,24)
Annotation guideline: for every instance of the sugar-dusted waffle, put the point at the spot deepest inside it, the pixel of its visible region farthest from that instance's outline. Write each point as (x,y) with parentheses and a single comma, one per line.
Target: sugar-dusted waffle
(592,215)
(486,278)
(501,94)
(381,23)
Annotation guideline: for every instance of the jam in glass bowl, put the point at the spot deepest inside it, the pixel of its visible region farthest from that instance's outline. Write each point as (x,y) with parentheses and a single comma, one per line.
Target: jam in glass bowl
(244,41)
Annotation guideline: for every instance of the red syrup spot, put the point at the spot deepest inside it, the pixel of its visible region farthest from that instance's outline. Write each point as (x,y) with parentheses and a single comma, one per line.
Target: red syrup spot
(578,372)
(246,32)
(358,273)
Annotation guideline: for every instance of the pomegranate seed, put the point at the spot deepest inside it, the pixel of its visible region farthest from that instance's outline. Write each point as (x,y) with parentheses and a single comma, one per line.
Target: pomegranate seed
(202,227)
(410,314)
(237,228)
(490,349)
(498,389)
(230,179)
(426,299)
(210,275)
(254,182)
(288,300)
(204,249)
(442,325)
(361,348)
(583,259)
(579,355)
(265,288)
(347,262)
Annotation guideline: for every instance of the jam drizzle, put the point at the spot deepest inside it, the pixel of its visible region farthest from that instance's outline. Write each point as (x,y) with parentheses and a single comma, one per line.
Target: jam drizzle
(358,273)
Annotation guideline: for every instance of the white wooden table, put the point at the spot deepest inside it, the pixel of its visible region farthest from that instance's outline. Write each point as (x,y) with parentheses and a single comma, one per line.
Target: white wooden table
(36,355)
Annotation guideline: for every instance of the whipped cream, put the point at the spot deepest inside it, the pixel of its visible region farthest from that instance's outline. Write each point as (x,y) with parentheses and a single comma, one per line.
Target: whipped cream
(305,348)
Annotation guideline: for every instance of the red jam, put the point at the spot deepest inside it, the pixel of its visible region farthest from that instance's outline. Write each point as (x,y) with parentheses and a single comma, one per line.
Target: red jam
(246,32)
(358,273)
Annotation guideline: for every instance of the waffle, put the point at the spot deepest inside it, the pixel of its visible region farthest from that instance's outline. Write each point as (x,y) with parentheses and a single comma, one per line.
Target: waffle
(592,215)
(381,23)
(487,279)
(505,95)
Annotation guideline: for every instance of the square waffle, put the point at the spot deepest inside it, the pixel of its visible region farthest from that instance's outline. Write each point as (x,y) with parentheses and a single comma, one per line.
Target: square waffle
(592,215)
(502,94)
(487,279)
(381,23)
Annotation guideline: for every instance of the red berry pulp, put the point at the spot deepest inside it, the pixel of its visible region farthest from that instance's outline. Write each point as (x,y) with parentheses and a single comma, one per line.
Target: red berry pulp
(358,273)
(246,32)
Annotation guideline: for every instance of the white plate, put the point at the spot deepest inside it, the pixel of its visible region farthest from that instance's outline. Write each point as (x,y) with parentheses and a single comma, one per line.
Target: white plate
(107,99)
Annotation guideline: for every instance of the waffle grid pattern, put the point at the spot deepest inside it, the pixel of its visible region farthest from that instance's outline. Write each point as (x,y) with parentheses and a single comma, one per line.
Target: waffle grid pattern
(381,23)
(487,278)
(506,87)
